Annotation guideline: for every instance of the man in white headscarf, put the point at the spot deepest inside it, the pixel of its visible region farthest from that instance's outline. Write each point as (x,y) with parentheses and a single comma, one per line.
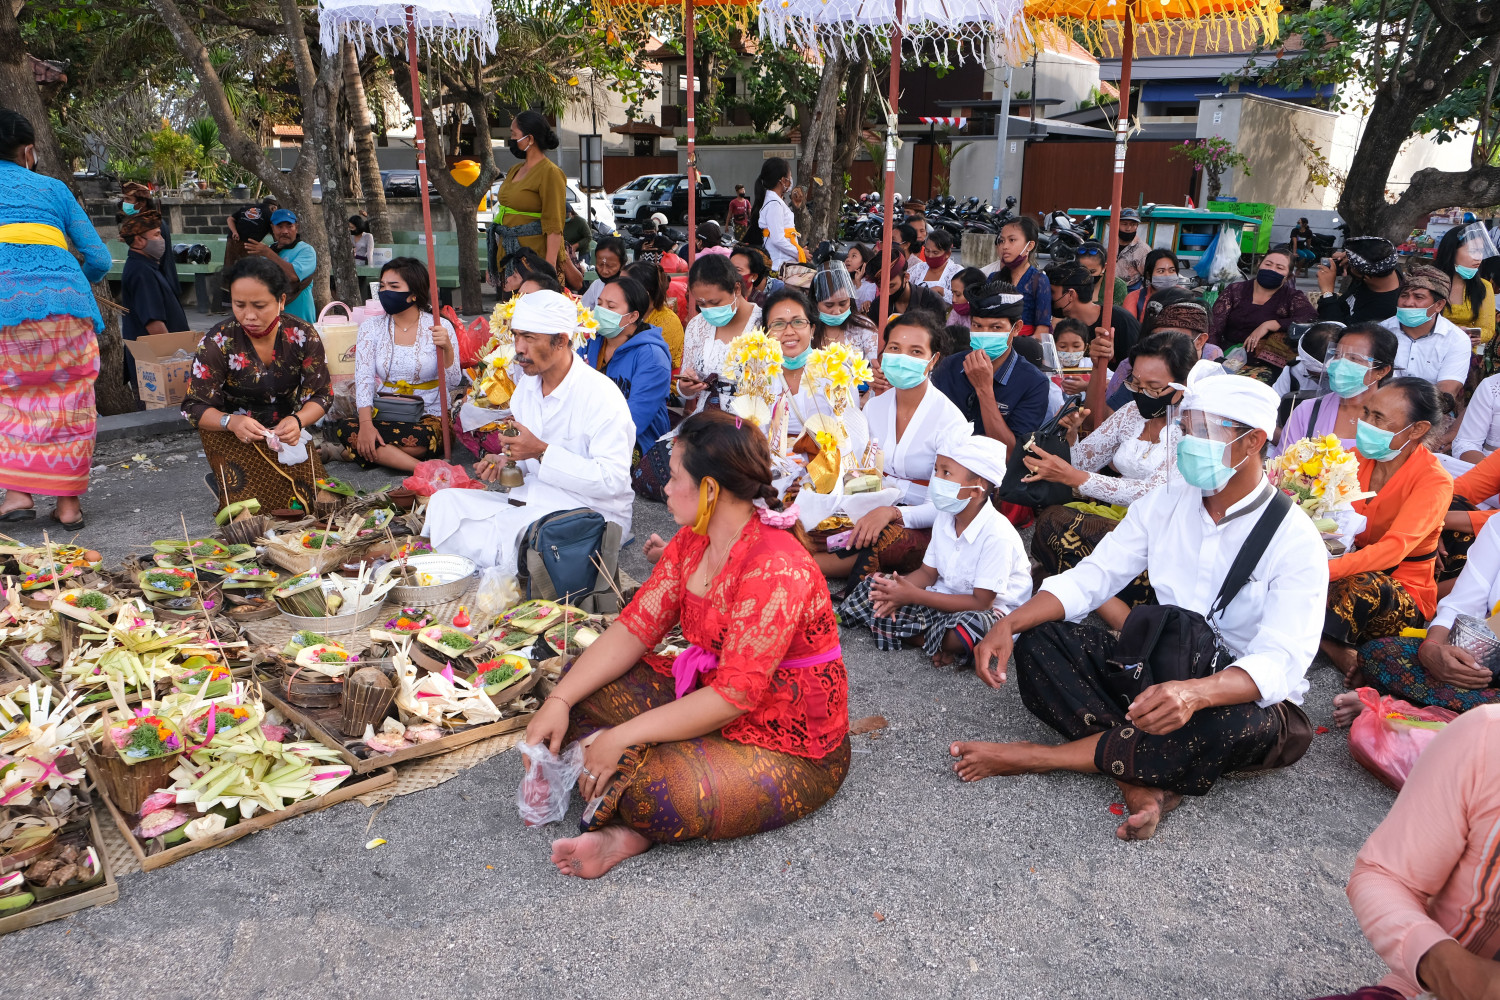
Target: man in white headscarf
(1221,689)
(573,444)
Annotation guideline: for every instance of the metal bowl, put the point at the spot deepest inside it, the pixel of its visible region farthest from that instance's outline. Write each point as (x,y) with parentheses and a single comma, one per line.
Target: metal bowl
(338,624)
(456,572)
(1473,636)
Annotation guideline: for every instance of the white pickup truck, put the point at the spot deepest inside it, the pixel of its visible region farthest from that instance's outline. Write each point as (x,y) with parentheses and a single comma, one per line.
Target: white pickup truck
(667,194)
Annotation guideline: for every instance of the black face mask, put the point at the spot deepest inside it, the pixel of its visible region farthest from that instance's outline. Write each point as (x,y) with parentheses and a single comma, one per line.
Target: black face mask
(515,149)
(1151,406)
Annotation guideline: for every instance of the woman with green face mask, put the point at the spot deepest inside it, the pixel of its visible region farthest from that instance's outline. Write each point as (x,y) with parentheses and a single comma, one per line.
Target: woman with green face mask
(1387,581)
(1360,358)
(790,320)
(723,314)
(1471,299)
(838,316)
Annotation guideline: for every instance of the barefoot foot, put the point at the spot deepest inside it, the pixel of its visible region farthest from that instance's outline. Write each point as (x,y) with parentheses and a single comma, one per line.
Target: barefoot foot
(1346,708)
(942,658)
(590,855)
(1147,808)
(16,500)
(977,760)
(1345,659)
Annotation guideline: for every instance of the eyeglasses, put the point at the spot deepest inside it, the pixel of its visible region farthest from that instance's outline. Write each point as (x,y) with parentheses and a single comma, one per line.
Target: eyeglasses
(799,324)
(1147,390)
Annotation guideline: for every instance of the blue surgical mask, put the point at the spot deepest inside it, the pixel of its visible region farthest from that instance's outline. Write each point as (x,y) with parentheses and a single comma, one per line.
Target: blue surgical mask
(834,319)
(947,496)
(1201,462)
(1465,272)
(717,315)
(903,371)
(798,361)
(1375,443)
(608,320)
(129,209)
(993,344)
(1346,377)
(1411,316)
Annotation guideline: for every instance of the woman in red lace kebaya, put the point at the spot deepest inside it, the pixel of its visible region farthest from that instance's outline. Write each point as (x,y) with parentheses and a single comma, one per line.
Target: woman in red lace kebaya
(748,728)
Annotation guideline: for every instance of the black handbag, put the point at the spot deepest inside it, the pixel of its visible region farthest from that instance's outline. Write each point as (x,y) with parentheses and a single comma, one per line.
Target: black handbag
(1162,642)
(399,409)
(1052,438)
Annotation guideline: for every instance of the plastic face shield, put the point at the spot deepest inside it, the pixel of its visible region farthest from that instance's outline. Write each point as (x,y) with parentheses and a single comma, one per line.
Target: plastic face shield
(1197,423)
(831,282)
(1476,242)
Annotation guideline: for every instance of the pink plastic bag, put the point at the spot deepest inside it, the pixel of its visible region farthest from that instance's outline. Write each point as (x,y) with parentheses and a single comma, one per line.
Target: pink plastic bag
(433,475)
(1390,734)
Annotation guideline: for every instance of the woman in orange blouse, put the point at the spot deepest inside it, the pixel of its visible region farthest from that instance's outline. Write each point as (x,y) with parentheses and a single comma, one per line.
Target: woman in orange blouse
(1386,583)
(748,728)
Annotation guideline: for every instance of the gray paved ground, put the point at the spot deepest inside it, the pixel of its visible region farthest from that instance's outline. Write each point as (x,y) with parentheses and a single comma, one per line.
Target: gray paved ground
(908,884)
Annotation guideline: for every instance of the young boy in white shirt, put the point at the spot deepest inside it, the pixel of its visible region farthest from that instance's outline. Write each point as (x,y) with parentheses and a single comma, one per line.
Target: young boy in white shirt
(975,569)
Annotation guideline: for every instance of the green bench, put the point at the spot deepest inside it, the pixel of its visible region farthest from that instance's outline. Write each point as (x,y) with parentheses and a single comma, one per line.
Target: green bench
(203,277)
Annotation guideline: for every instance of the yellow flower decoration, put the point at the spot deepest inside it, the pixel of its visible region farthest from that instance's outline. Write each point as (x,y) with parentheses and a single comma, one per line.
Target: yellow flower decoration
(838,372)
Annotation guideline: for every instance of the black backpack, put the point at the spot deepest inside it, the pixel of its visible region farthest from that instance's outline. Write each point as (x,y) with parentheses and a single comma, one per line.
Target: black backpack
(1162,642)
(1052,438)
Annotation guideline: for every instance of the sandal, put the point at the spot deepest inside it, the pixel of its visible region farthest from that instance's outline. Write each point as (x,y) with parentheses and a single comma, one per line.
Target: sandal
(19,514)
(77,525)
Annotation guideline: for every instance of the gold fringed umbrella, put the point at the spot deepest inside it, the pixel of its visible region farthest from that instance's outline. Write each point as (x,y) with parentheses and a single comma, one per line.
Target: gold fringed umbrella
(1161,23)
(724,17)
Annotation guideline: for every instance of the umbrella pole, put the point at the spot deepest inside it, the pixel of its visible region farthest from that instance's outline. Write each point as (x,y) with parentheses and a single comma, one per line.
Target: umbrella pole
(887,238)
(416,100)
(688,17)
(1117,187)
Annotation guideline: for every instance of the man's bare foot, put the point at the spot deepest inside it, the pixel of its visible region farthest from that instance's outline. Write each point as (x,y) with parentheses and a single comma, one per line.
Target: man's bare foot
(942,658)
(1346,708)
(1147,807)
(590,855)
(1345,659)
(984,760)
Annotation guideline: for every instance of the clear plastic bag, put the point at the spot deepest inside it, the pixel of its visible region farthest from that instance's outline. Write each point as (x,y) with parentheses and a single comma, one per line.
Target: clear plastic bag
(548,782)
(497,594)
(1390,734)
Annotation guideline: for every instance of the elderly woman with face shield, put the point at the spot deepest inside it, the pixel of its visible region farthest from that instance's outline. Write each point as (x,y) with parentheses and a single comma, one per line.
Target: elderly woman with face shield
(1361,359)
(839,321)
(258,381)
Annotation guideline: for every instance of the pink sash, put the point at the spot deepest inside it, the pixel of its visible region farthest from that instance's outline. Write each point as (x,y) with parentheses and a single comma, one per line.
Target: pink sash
(695,661)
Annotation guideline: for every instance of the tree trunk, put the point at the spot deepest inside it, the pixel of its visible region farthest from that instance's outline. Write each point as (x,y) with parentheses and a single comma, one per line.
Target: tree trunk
(364,146)
(335,212)
(111,393)
(462,201)
(816,166)
(851,128)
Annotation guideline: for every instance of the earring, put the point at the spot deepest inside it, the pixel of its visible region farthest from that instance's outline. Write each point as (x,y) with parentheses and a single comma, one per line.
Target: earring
(706,504)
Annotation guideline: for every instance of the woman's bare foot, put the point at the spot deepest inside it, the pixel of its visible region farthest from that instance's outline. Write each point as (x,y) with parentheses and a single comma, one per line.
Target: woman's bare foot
(985,760)
(1345,659)
(16,500)
(1346,708)
(68,510)
(590,855)
(1147,807)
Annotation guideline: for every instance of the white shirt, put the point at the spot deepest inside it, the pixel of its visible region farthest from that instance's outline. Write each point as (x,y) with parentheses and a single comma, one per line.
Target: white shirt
(1275,622)
(591,295)
(1477,588)
(1441,356)
(913,455)
(775,219)
(1480,430)
(919,272)
(586,425)
(377,360)
(1142,465)
(989,555)
(703,353)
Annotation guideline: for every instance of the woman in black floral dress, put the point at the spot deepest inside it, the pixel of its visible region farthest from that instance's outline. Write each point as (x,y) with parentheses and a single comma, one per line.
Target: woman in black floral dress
(257,376)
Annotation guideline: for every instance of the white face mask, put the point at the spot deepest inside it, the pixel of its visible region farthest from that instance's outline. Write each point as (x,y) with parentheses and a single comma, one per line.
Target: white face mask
(1070,359)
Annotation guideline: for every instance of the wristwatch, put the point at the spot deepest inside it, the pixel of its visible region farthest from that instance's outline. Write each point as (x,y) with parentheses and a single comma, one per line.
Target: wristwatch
(224,421)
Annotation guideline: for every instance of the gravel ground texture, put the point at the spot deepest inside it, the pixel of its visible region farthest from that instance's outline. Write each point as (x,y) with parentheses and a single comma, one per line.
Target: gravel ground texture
(909,883)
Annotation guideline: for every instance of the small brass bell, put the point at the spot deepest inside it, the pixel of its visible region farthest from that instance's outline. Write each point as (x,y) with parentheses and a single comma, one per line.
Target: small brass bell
(511,475)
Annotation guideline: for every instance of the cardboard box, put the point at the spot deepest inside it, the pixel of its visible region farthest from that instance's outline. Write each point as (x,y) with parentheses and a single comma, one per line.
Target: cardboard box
(161,378)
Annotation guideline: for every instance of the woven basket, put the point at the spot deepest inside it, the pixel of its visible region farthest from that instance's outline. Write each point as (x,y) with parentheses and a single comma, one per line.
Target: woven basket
(308,689)
(247,531)
(365,703)
(129,785)
(300,560)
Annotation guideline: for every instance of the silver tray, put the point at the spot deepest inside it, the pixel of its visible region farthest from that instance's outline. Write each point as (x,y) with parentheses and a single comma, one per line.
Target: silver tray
(338,624)
(460,567)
